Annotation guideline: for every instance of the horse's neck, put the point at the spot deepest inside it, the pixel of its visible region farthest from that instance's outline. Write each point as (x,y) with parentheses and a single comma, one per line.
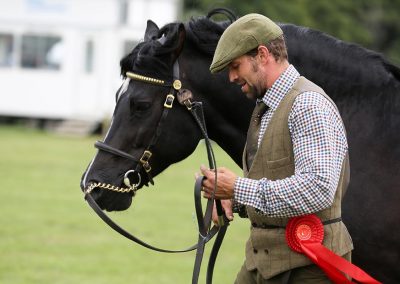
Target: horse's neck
(227,110)
(225,133)
(342,69)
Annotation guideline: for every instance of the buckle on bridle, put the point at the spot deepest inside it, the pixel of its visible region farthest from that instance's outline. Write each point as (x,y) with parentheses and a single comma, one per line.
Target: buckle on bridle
(147,167)
(169,100)
(145,160)
(145,157)
(184,98)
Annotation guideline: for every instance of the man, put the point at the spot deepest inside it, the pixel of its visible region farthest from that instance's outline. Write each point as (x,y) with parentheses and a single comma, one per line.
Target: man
(295,161)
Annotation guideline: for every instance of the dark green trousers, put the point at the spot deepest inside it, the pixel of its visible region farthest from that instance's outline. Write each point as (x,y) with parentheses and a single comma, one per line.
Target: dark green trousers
(310,274)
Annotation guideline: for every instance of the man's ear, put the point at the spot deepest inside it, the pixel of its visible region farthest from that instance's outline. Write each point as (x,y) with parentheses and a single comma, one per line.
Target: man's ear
(263,53)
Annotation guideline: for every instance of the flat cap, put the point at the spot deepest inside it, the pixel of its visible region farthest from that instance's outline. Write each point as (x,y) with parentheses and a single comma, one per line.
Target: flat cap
(243,35)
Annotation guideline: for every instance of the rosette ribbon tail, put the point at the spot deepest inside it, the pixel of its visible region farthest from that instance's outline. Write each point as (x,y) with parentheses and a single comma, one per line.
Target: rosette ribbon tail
(305,234)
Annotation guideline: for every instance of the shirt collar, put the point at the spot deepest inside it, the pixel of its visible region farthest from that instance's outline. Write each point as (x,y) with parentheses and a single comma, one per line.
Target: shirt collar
(281,87)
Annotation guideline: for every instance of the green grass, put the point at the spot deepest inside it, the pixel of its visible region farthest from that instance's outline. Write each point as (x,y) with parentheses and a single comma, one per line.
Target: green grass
(48,234)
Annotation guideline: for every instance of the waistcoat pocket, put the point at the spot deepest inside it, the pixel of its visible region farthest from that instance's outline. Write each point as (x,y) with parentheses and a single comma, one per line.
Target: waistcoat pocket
(274,164)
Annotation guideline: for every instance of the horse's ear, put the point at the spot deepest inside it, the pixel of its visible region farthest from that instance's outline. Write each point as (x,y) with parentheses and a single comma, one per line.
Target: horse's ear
(151,31)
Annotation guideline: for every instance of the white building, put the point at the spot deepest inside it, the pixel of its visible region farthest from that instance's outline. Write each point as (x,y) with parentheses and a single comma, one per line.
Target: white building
(59,59)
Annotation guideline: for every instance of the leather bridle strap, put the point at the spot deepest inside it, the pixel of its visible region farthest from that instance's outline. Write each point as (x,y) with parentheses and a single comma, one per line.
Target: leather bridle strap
(203,224)
(102,146)
(196,110)
(131,237)
(142,161)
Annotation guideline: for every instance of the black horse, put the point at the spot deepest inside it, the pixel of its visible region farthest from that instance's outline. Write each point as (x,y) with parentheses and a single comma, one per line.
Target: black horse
(364,85)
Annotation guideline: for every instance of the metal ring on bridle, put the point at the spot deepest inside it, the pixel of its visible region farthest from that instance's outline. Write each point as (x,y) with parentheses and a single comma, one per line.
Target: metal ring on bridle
(127,181)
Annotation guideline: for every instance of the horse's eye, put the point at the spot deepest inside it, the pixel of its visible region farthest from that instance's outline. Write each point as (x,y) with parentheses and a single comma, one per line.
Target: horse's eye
(139,107)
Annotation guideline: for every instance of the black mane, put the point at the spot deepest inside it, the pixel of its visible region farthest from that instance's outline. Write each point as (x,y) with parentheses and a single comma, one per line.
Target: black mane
(343,69)
(204,33)
(365,67)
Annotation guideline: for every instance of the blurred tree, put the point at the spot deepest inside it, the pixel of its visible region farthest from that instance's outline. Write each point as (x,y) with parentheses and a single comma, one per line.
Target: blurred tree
(372,24)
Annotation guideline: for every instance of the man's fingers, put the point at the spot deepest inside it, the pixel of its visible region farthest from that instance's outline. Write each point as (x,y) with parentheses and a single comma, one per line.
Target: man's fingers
(204,170)
(206,195)
(209,174)
(228,213)
(227,205)
(215,215)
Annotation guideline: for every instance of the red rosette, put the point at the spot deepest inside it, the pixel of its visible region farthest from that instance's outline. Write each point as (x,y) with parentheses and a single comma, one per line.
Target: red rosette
(305,235)
(306,228)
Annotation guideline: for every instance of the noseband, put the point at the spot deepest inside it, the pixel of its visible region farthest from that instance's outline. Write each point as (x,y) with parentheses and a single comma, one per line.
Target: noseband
(132,178)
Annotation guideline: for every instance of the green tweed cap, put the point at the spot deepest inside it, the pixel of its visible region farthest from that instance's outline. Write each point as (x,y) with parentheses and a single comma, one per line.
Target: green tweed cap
(243,35)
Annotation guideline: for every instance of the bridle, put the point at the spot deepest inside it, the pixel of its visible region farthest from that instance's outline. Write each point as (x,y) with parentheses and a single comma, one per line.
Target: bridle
(142,161)
(133,179)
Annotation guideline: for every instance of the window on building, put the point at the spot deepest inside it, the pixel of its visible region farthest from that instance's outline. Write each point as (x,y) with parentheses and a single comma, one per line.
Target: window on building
(6,49)
(41,52)
(89,55)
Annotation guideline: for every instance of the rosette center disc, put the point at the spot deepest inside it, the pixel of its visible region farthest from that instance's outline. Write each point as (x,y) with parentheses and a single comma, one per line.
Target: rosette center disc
(303,232)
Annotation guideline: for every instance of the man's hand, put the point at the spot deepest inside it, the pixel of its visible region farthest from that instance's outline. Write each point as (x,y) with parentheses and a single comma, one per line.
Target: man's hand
(225,183)
(227,206)
(224,190)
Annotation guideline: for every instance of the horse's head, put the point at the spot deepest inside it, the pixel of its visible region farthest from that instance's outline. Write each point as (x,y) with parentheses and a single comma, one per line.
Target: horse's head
(148,132)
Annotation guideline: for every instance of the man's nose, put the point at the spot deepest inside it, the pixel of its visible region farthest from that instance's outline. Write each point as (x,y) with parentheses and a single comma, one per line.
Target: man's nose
(232,76)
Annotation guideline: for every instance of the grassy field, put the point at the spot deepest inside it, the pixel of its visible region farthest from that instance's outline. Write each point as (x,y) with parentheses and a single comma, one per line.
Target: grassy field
(48,234)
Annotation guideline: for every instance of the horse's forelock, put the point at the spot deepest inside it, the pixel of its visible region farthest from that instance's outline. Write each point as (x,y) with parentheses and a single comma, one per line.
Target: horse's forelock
(126,62)
(146,59)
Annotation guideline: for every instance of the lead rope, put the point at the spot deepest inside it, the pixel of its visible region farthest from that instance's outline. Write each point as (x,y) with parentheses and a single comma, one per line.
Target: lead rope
(196,109)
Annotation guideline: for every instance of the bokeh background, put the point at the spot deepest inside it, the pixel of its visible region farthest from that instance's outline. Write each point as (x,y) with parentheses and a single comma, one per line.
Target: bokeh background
(372,24)
(59,71)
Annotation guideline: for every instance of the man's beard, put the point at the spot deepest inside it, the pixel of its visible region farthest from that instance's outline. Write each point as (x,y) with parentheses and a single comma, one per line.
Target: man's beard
(256,91)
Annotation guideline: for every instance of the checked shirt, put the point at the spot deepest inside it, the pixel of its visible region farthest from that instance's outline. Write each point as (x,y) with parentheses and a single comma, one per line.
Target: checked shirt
(319,145)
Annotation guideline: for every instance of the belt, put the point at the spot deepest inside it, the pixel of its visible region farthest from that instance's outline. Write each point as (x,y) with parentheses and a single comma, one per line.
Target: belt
(267,226)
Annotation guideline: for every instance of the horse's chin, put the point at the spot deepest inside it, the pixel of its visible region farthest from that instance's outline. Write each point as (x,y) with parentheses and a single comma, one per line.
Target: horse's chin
(112,201)
(121,205)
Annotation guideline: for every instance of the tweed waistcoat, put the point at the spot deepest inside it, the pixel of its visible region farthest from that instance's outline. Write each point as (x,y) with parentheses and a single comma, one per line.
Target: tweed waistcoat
(266,249)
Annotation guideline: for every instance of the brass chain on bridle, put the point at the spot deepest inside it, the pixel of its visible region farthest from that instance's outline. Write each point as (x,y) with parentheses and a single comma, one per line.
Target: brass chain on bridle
(110,187)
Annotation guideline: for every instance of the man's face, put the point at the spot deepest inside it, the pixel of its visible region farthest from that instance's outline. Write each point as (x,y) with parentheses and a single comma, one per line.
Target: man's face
(245,72)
